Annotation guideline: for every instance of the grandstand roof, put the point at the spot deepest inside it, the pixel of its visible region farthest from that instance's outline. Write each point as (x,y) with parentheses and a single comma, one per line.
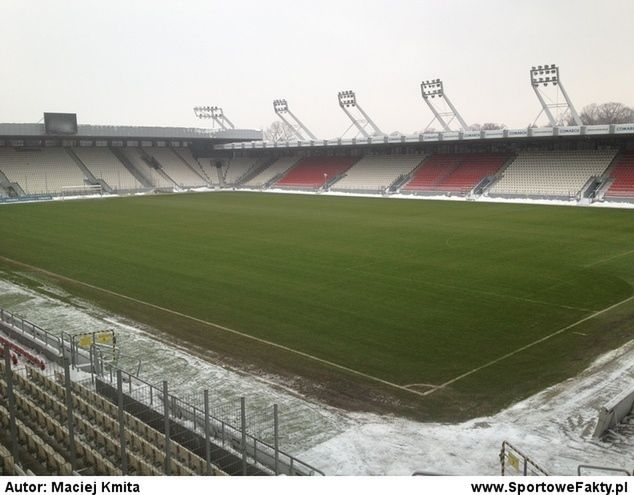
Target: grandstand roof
(9,130)
(453,136)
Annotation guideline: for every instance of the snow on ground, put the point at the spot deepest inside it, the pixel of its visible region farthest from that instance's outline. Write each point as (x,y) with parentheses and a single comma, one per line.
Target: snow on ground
(554,427)
(435,197)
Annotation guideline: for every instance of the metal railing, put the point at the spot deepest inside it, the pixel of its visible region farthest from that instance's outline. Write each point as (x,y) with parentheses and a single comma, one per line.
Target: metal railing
(515,463)
(235,433)
(27,328)
(228,426)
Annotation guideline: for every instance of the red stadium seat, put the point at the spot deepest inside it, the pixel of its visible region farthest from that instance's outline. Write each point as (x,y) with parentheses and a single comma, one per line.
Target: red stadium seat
(623,174)
(456,174)
(313,172)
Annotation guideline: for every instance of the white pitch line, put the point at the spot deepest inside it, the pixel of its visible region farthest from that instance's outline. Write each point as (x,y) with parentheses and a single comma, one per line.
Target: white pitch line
(609,258)
(429,385)
(527,346)
(214,325)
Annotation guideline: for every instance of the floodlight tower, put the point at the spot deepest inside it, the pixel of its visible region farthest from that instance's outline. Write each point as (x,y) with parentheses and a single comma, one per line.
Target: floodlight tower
(216,114)
(543,75)
(347,99)
(432,89)
(281,109)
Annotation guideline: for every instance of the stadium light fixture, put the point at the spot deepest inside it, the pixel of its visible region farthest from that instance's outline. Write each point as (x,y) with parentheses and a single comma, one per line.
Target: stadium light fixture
(214,113)
(348,100)
(433,88)
(548,74)
(299,129)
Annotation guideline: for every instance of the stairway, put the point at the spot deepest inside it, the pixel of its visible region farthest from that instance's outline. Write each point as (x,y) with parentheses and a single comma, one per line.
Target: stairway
(145,182)
(156,166)
(89,175)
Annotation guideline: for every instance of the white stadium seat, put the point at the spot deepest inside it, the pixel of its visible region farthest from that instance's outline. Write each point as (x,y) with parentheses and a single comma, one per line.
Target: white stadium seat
(278,167)
(105,166)
(44,171)
(374,173)
(551,173)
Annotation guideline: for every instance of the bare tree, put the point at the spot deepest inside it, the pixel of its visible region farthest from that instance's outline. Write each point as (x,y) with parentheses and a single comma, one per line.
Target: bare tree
(487,126)
(279,131)
(605,113)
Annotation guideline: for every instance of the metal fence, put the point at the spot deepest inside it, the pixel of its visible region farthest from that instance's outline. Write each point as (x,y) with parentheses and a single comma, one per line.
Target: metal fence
(235,438)
(253,437)
(515,463)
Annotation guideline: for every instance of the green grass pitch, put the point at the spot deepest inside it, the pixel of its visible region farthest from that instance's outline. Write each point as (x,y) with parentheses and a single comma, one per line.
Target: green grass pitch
(406,291)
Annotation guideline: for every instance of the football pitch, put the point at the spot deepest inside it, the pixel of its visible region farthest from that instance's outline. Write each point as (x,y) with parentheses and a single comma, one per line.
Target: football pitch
(458,302)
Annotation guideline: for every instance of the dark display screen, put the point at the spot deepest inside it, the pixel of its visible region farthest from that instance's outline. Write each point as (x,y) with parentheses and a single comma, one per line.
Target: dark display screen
(60,123)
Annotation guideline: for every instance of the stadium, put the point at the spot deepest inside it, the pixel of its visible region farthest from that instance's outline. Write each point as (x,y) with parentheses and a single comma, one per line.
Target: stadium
(225,301)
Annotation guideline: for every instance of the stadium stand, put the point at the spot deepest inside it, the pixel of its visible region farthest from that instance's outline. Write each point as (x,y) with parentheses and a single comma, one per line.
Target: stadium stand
(237,168)
(557,174)
(623,177)
(313,172)
(272,172)
(200,166)
(107,167)
(42,412)
(374,173)
(44,171)
(154,176)
(455,173)
(179,170)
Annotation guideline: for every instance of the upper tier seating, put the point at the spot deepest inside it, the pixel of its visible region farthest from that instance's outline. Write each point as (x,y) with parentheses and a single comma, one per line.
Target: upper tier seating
(455,173)
(313,172)
(623,174)
(551,173)
(45,171)
(236,169)
(174,166)
(104,165)
(377,172)
(278,167)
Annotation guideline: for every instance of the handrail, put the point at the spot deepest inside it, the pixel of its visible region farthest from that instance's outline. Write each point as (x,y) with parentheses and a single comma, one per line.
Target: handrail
(602,468)
(183,412)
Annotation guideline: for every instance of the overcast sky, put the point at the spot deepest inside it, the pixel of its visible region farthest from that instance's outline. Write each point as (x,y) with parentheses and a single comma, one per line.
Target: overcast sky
(148,62)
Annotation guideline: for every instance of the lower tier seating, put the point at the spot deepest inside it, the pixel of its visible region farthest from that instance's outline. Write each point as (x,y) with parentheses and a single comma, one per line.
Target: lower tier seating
(42,409)
(237,168)
(105,166)
(45,171)
(623,175)
(181,172)
(455,173)
(277,168)
(313,172)
(374,173)
(559,174)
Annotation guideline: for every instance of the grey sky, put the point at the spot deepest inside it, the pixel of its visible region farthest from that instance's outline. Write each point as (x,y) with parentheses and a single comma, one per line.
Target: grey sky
(149,62)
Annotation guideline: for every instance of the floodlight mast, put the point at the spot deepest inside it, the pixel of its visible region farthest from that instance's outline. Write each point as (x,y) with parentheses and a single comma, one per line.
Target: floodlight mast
(216,114)
(281,109)
(434,88)
(348,99)
(552,77)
